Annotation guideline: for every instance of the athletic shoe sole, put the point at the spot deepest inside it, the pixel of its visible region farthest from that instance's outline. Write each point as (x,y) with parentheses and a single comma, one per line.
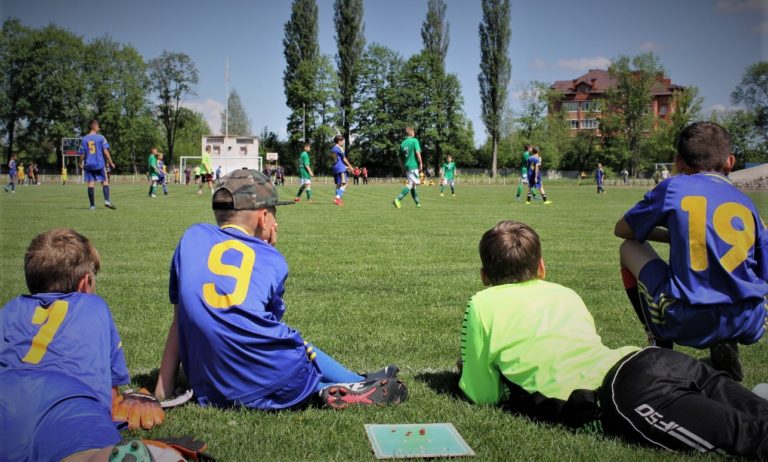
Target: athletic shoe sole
(377,392)
(387,372)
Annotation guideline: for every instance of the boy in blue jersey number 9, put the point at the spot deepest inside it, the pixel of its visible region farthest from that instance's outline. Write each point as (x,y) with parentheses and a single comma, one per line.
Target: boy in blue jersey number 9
(712,293)
(226,285)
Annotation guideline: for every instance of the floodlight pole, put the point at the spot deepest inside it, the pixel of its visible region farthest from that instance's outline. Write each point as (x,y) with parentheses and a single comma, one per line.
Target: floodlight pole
(226,99)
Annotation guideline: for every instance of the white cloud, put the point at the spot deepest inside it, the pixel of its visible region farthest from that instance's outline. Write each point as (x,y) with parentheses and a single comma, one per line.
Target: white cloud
(650,46)
(539,64)
(211,110)
(583,64)
(741,6)
(516,95)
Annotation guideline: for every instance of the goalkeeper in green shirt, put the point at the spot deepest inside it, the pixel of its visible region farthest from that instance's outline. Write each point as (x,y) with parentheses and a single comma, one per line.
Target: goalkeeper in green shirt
(449,171)
(531,346)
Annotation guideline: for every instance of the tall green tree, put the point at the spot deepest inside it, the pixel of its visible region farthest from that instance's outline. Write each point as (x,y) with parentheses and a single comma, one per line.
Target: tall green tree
(379,112)
(495,69)
(192,127)
(172,77)
(435,30)
(626,116)
(301,51)
(16,80)
(752,93)
(239,123)
(350,44)
(117,91)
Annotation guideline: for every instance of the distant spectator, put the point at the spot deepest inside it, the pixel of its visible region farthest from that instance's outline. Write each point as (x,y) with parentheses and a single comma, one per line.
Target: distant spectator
(625,176)
(356,175)
(365,175)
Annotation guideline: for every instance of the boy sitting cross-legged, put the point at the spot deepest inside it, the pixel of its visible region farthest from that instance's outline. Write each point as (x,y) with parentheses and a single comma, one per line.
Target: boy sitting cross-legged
(227,283)
(532,347)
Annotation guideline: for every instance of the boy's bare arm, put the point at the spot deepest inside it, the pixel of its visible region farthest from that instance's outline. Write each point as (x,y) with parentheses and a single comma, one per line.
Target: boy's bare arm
(624,231)
(109,158)
(169,366)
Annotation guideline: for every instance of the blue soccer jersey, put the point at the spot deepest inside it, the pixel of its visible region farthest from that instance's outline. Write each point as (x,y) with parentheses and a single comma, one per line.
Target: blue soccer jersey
(718,243)
(12,168)
(339,166)
(534,176)
(599,175)
(72,334)
(228,286)
(92,147)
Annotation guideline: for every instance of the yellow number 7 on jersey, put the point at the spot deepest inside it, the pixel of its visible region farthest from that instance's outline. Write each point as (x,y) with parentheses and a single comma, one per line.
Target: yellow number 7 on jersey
(241,274)
(54,315)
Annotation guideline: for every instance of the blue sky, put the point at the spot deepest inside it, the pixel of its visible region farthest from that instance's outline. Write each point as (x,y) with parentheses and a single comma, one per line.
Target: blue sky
(706,43)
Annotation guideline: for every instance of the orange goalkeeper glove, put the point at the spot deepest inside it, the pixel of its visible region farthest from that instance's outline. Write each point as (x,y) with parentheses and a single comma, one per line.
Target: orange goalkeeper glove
(139,409)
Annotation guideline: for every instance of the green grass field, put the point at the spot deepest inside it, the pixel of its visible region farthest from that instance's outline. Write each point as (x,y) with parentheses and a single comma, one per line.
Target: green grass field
(369,284)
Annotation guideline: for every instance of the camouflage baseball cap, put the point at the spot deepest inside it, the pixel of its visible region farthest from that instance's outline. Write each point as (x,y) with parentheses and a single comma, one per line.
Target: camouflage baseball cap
(250,190)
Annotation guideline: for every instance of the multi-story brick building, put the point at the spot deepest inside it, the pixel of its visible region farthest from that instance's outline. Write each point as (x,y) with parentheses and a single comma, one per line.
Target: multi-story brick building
(582,95)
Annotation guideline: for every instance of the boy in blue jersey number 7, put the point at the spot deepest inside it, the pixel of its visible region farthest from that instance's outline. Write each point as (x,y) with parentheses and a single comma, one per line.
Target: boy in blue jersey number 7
(226,285)
(712,293)
(61,360)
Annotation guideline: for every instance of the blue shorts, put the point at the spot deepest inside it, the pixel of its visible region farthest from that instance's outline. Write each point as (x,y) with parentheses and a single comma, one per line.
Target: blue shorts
(48,416)
(340,178)
(95,175)
(697,326)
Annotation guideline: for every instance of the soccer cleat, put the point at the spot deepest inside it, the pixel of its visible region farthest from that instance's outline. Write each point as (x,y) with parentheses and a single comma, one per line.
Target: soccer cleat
(387,372)
(453,195)
(373,392)
(418,206)
(109,205)
(199,191)
(296,199)
(131,451)
(153,195)
(93,207)
(442,195)
(725,357)
(547,202)
(527,202)
(396,203)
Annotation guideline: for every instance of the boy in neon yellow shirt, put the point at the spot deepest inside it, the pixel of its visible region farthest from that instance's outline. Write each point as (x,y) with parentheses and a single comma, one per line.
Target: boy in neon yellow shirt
(532,347)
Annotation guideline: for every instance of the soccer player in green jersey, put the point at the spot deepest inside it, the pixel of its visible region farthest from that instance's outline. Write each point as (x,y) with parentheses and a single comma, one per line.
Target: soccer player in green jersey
(305,175)
(410,160)
(206,171)
(532,347)
(523,171)
(153,171)
(449,171)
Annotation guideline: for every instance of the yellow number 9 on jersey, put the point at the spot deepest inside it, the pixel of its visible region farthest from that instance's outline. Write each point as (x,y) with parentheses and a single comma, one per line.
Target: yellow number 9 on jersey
(241,274)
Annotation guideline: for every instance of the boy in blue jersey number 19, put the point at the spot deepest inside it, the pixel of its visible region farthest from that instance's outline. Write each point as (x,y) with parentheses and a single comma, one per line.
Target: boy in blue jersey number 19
(94,158)
(61,360)
(227,285)
(531,346)
(712,293)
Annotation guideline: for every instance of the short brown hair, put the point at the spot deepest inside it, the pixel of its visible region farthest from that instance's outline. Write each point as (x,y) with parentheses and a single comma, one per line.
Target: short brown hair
(510,252)
(92,123)
(338,138)
(57,260)
(704,146)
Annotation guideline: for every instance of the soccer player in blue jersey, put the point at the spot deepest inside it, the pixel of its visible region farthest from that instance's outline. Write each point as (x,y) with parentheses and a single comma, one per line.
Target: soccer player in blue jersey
(94,150)
(11,187)
(534,176)
(226,285)
(340,168)
(163,171)
(599,176)
(713,291)
(60,357)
